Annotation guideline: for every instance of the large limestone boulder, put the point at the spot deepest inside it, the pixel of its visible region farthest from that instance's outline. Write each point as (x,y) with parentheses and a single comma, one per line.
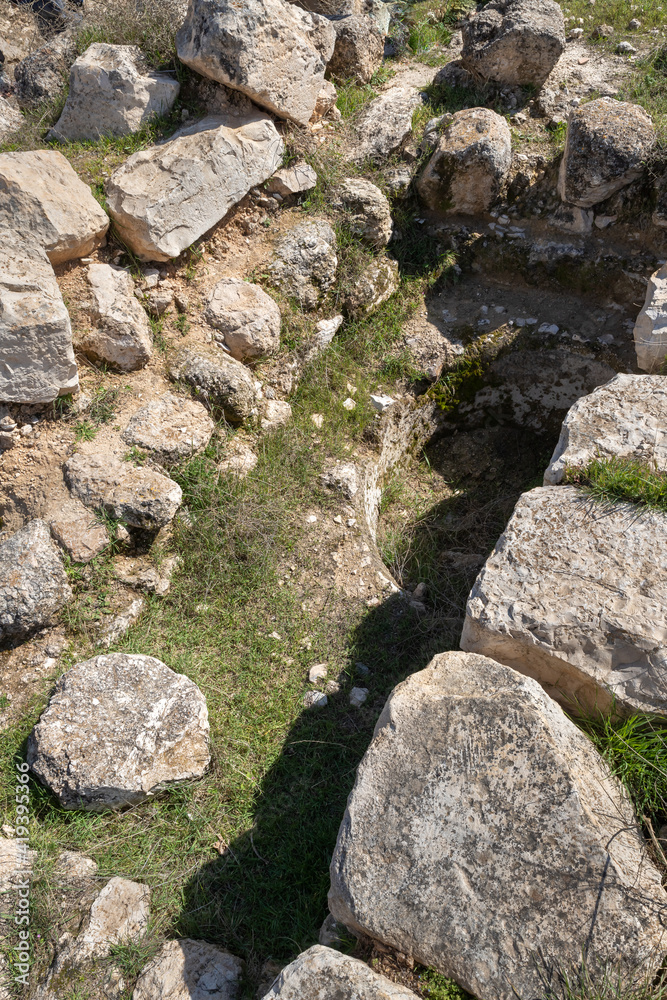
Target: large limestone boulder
(305,262)
(623,419)
(573,595)
(359,48)
(384,125)
(33,582)
(470,165)
(367,211)
(270,50)
(221,381)
(606,147)
(323,972)
(120,334)
(36,356)
(190,970)
(41,194)
(172,427)
(112,92)
(511,846)
(248,319)
(650,332)
(164,198)
(136,495)
(118,729)
(515,42)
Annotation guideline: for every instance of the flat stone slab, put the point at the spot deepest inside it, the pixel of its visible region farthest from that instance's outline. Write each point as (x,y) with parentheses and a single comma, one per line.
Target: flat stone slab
(118,729)
(171,426)
(190,970)
(574,595)
(33,582)
(323,972)
(485,837)
(626,418)
(36,356)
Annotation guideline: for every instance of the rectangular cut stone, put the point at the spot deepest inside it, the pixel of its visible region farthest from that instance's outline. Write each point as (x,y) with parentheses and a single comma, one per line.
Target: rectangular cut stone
(574,595)
(36,356)
(164,198)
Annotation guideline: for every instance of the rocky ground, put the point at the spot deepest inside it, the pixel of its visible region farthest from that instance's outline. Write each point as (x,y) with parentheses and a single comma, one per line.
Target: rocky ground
(258,439)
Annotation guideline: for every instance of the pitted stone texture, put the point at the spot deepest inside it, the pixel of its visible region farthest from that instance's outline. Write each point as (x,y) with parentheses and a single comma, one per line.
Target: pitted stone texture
(36,355)
(112,92)
(367,211)
(190,970)
(650,332)
(138,496)
(470,165)
(536,388)
(121,334)
(10,119)
(626,418)
(272,51)
(164,198)
(172,427)
(375,285)
(33,582)
(515,42)
(510,843)
(606,147)
(359,48)
(342,477)
(385,124)
(573,595)
(297,179)
(80,534)
(118,729)
(43,74)
(42,195)
(248,318)
(220,381)
(305,262)
(322,973)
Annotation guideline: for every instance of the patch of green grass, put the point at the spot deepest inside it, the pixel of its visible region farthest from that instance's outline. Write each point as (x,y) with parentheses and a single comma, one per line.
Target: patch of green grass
(438,987)
(614,480)
(85,430)
(648,88)
(353,97)
(618,14)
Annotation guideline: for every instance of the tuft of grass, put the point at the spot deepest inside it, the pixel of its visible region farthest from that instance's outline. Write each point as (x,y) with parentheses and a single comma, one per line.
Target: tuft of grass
(435,986)
(613,480)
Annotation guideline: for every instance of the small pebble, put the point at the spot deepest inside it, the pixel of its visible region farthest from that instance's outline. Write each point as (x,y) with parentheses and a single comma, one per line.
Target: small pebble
(311,519)
(26,430)
(315,699)
(338,519)
(349,404)
(358,696)
(317,673)
(361,668)
(318,419)
(332,687)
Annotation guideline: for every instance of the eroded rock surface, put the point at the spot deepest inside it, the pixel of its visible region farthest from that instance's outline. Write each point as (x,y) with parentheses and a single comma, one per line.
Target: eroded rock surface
(624,419)
(376,283)
(171,427)
(220,381)
(305,262)
(247,317)
(10,119)
(297,179)
(650,332)
(573,595)
(272,51)
(80,533)
(120,334)
(43,74)
(42,195)
(112,92)
(384,124)
(470,165)
(320,973)
(515,42)
(359,48)
(36,356)
(367,211)
(190,970)
(164,198)
(606,147)
(33,582)
(511,846)
(118,729)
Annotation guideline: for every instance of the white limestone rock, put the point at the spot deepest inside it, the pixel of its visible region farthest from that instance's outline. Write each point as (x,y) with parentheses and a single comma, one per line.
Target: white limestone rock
(573,595)
(376,283)
(606,148)
(275,413)
(626,418)
(511,846)
(190,970)
(136,495)
(33,582)
(305,262)
(650,332)
(247,317)
(41,194)
(120,334)
(221,381)
(79,532)
(171,427)
(471,163)
(385,124)
(270,50)
(367,211)
(514,42)
(36,356)
(112,92)
(164,198)
(321,973)
(359,48)
(11,120)
(118,729)
(297,179)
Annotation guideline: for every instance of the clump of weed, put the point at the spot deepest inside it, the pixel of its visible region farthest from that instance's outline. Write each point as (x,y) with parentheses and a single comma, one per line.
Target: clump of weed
(435,986)
(613,480)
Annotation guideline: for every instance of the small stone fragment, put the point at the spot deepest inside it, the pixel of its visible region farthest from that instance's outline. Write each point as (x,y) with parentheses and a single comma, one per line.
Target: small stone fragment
(80,534)
(139,496)
(359,48)
(240,462)
(317,673)
(380,402)
(190,970)
(385,124)
(11,120)
(171,427)
(650,331)
(42,75)
(515,42)
(322,972)
(275,414)
(248,318)
(287,181)
(315,699)
(358,696)
(342,477)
